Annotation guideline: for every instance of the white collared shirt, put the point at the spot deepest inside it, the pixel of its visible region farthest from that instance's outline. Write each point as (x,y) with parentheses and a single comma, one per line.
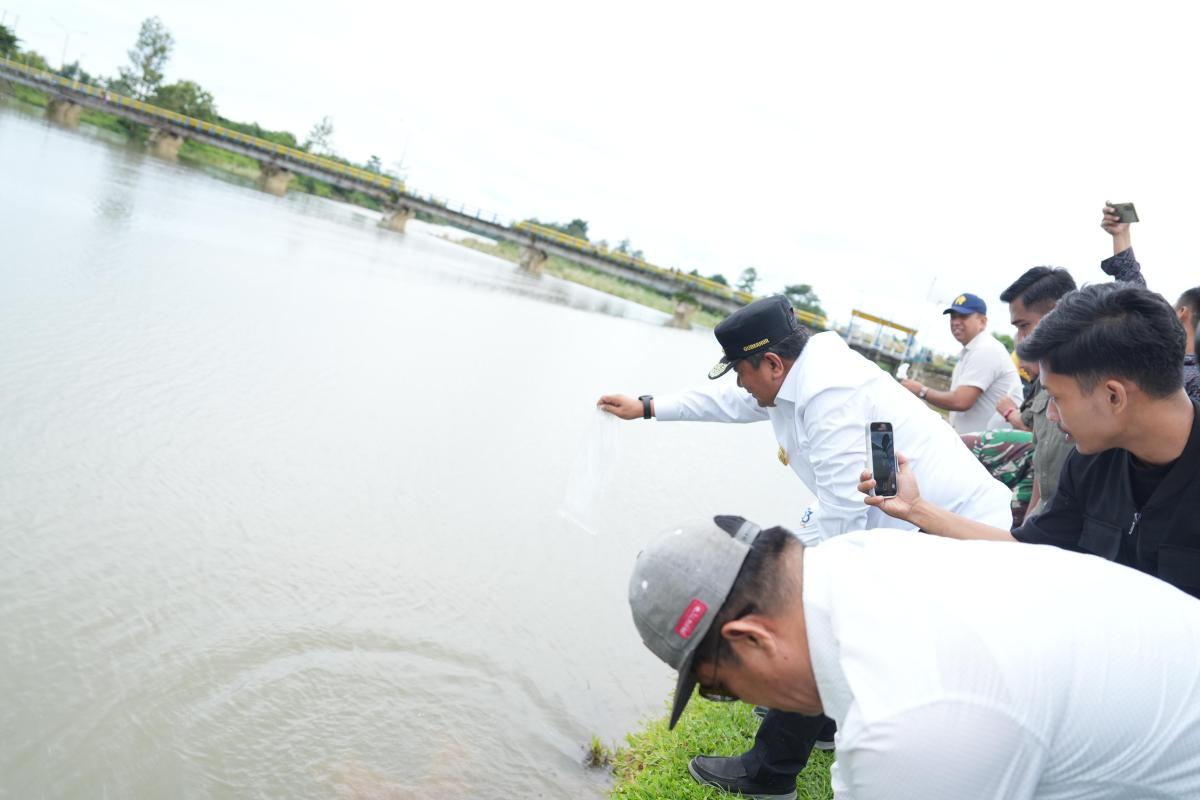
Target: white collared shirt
(985,364)
(1001,671)
(820,419)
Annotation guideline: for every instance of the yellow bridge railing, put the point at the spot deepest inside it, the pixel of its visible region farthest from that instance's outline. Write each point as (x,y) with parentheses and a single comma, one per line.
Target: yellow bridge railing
(212,129)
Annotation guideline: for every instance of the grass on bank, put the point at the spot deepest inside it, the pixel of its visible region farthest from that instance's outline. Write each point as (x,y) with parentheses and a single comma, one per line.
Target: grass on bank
(654,764)
(576,273)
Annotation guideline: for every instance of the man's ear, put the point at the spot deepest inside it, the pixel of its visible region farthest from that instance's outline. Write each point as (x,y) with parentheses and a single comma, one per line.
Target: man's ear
(750,634)
(775,361)
(1116,394)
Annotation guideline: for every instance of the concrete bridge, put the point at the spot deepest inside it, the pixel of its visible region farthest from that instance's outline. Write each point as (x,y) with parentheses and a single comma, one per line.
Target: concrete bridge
(278,163)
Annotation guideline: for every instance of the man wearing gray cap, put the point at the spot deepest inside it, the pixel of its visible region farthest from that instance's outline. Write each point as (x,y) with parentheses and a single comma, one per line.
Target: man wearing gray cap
(1082,684)
(819,396)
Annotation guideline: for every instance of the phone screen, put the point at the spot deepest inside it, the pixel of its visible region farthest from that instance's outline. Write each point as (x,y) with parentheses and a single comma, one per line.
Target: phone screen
(883,459)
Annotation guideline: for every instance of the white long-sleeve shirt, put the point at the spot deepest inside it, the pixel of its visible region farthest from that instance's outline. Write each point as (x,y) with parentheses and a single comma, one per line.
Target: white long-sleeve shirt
(1001,671)
(820,419)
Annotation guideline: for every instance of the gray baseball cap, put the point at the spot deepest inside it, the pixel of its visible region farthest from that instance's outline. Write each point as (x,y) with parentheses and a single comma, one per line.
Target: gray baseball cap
(679,583)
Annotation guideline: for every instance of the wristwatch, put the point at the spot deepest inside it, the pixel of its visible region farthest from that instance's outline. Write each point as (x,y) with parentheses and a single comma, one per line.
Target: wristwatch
(646,398)
(924,391)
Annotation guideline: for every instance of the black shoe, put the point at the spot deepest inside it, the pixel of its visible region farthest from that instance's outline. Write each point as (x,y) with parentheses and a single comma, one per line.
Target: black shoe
(729,775)
(825,737)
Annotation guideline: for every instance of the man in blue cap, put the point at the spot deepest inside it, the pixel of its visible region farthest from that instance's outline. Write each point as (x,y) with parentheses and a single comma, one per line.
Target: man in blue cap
(983,375)
(819,396)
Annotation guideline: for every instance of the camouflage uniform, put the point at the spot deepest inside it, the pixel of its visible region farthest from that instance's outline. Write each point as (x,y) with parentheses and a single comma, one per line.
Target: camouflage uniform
(1008,456)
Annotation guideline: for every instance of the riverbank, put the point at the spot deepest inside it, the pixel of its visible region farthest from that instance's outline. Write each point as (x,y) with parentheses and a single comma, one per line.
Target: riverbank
(654,762)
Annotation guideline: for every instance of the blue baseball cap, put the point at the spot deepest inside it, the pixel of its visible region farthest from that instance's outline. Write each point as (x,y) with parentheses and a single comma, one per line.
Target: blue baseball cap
(967,304)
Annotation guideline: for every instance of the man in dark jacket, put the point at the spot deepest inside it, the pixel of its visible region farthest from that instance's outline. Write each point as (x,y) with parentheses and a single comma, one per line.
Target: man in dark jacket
(1109,358)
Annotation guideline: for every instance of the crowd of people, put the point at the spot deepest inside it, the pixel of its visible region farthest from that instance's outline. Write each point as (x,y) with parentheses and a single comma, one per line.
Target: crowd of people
(961,662)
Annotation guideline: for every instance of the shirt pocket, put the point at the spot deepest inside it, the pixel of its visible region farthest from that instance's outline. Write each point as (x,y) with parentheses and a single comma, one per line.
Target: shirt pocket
(1101,538)
(1040,401)
(1180,567)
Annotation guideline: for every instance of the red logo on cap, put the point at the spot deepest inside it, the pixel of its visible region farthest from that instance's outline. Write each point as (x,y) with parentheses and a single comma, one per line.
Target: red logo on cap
(690,617)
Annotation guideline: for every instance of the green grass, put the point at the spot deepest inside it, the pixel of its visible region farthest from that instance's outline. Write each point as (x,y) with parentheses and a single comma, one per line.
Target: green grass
(654,763)
(28,95)
(577,273)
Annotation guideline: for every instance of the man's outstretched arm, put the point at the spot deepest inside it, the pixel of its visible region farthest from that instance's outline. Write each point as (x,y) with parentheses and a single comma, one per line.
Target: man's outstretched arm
(724,402)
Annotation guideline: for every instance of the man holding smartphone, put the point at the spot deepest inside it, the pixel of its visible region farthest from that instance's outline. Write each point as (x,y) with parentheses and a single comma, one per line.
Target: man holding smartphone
(819,396)
(1108,358)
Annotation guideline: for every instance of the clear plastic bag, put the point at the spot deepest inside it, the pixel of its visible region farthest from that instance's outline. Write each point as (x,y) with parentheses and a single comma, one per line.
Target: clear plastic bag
(592,473)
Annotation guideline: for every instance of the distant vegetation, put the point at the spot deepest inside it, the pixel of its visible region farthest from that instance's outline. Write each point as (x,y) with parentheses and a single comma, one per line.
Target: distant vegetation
(144,77)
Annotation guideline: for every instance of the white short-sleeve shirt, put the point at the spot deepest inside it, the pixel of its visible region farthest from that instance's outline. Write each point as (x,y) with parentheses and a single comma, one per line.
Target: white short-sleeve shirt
(985,364)
(973,669)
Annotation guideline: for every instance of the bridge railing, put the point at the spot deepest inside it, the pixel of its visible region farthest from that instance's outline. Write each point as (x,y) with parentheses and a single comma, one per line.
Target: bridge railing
(269,148)
(635,262)
(282,152)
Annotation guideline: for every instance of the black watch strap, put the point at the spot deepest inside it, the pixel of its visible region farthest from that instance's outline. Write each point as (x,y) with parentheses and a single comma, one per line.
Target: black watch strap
(646,398)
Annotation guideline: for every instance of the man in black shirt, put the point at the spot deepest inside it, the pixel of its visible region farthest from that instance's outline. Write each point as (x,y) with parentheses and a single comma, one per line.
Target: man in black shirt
(1109,358)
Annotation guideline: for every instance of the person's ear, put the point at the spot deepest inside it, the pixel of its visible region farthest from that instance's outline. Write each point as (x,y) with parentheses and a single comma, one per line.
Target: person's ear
(750,636)
(1116,395)
(775,361)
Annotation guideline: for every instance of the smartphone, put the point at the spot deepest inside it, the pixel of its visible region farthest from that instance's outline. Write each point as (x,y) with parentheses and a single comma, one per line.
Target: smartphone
(882,449)
(1126,212)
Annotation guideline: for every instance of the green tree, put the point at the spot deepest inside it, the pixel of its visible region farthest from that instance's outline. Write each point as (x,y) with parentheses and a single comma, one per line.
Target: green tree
(33,59)
(747,279)
(187,98)
(576,227)
(374,164)
(75,72)
(320,138)
(8,42)
(717,277)
(148,58)
(1006,340)
(802,297)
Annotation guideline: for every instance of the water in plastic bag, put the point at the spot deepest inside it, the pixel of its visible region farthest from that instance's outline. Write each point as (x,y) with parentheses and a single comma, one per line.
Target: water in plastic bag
(592,473)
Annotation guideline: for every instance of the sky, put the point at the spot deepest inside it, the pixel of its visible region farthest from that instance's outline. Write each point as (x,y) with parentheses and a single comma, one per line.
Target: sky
(893,155)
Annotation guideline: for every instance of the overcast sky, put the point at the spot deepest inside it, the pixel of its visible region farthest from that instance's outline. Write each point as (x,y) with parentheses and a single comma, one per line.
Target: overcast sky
(891,154)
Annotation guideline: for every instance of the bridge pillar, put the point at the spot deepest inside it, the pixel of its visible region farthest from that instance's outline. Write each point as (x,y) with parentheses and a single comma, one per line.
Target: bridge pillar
(395,218)
(682,318)
(64,112)
(165,144)
(274,179)
(532,259)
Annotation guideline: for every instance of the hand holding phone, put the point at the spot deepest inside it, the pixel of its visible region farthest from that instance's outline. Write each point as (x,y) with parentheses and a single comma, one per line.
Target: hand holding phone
(1125,212)
(881,455)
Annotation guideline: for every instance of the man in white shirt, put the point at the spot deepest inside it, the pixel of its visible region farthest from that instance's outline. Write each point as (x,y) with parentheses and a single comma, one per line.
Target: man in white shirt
(985,372)
(953,669)
(819,396)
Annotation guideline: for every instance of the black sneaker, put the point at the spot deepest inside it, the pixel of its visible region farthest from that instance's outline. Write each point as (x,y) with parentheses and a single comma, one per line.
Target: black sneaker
(729,775)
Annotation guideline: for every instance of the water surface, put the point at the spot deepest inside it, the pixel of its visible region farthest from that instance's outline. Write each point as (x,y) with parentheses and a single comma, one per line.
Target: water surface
(278,494)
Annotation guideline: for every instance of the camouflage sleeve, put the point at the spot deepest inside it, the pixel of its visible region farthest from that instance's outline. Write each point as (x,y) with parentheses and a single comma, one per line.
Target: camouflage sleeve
(1124,267)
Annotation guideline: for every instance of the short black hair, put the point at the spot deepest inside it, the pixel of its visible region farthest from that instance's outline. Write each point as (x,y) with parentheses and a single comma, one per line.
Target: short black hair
(761,586)
(1191,300)
(1039,288)
(788,348)
(1111,329)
